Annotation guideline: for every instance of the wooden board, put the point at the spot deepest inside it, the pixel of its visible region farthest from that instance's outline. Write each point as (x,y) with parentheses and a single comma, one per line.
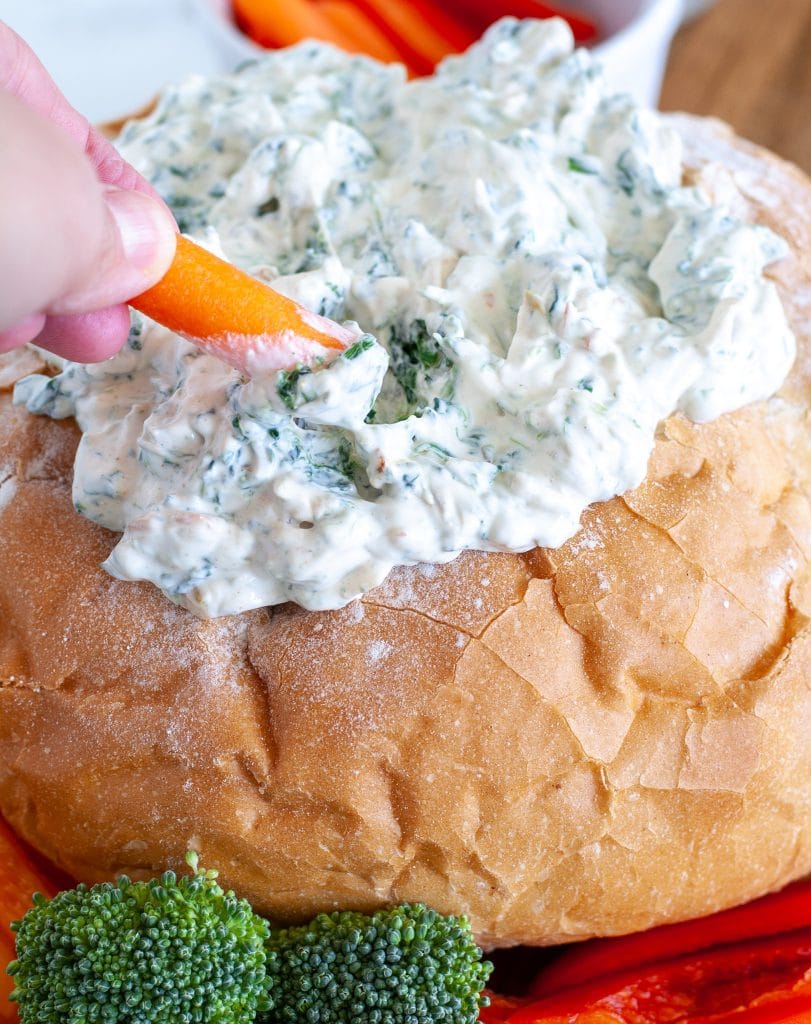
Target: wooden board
(748,62)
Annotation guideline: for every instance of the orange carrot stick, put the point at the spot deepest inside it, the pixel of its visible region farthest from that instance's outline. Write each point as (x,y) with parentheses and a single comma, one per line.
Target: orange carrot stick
(410,28)
(368,38)
(236,317)
(284,22)
(458,35)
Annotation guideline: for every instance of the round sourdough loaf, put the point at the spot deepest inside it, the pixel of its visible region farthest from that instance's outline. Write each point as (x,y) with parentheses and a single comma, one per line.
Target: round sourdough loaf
(561,744)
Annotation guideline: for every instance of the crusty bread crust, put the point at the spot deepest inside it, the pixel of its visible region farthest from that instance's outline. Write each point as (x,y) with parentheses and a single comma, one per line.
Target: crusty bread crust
(564,743)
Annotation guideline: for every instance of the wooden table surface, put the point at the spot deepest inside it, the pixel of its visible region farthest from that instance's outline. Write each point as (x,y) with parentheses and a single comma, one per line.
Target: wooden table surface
(748,62)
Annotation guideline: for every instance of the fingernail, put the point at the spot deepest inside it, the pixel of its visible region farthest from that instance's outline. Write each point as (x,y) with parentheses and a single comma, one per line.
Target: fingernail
(146,229)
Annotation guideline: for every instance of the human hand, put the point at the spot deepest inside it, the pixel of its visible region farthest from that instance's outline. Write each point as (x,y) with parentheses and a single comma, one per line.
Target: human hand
(81,232)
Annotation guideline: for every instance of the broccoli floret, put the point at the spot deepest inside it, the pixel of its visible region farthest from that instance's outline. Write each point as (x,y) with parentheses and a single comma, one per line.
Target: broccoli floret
(407,965)
(182,951)
(170,951)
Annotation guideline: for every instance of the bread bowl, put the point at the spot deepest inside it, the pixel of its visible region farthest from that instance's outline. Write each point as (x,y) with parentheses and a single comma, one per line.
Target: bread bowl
(560,743)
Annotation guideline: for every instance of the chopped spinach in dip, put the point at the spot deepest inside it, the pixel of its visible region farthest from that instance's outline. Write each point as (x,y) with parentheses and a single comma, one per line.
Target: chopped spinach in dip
(537,289)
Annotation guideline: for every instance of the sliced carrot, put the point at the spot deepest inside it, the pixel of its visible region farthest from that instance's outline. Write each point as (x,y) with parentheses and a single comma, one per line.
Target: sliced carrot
(419,29)
(367,37)
(236,317)
(401,20)
(284,22)
(458,35)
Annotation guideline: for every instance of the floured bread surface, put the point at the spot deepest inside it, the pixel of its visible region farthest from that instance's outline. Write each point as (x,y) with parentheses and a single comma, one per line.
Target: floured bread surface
(566,743)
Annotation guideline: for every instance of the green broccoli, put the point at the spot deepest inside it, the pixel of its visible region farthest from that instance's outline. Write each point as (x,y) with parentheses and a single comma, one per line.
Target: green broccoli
(182,951)
(407,965)
(170,951)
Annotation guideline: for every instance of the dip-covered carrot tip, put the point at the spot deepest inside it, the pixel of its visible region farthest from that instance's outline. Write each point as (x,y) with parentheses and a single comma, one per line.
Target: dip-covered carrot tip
(236,317)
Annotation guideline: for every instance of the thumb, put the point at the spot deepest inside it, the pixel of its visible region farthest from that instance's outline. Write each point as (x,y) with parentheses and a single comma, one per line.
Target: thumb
(127,251)
(68,243)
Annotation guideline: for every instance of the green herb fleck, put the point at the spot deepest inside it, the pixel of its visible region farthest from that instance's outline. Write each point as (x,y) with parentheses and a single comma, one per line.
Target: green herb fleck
(579,167)
(287,382)
(431,447)
(363,344)
(417,349)
(348,463)
(626,175)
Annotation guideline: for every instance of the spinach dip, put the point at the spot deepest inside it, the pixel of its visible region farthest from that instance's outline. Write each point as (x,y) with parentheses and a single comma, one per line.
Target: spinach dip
(536,292)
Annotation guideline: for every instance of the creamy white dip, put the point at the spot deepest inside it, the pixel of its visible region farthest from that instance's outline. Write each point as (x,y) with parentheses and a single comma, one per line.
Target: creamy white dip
(542,290)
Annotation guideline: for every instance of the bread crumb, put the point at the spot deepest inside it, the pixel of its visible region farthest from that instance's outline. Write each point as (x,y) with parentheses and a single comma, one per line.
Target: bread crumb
(585,541)
(8,488)
(377,650)
(355,611)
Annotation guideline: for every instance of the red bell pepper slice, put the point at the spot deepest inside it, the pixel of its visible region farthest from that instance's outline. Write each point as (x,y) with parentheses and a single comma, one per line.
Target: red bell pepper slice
(481,13)
(20,875)
(778,912)
(784,1009)
(743,983)
(499,1009)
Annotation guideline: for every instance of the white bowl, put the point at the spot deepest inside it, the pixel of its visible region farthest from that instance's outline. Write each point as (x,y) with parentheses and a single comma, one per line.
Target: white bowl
(692,8)
(110,58)
(634,54)
(638,36)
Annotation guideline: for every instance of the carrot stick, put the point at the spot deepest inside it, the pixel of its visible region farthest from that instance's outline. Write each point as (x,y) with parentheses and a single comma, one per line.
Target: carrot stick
(367,37)
(416,28)
(778,912)
(284,22)
(403,22)
(458,35)
(235,317)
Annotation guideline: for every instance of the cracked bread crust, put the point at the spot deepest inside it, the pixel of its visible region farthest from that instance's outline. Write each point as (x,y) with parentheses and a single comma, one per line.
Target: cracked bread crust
(568,743)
